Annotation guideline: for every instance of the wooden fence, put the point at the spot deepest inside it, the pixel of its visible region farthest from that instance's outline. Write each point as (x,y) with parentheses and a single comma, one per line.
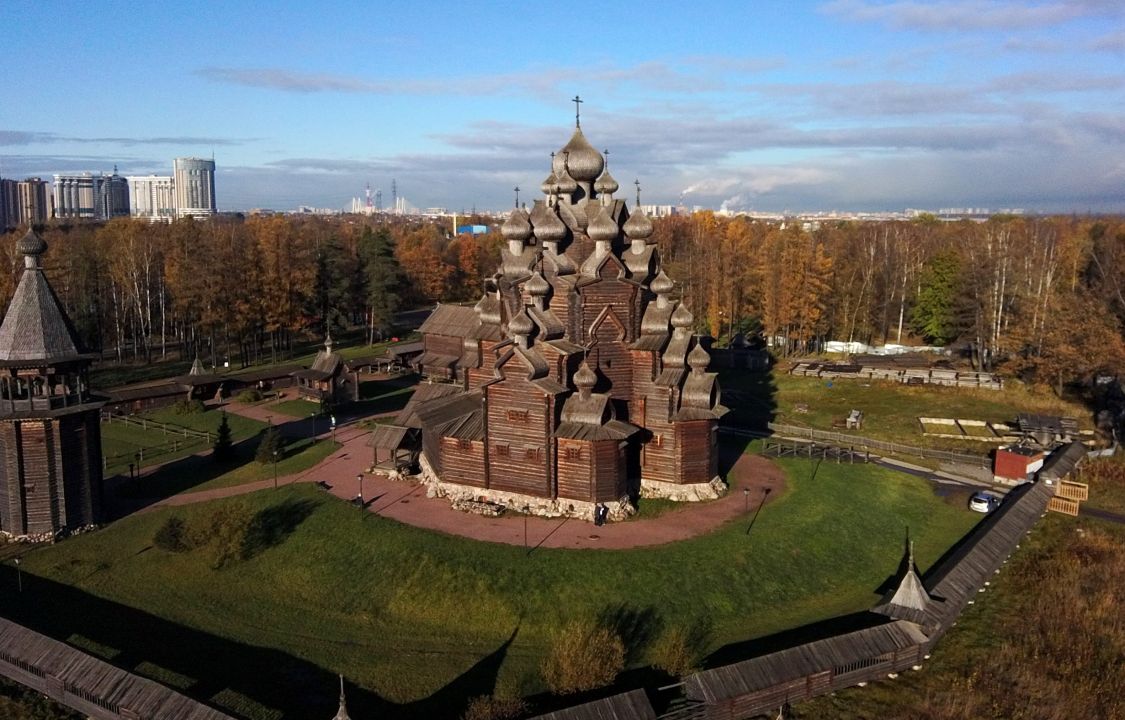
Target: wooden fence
(857,443)
(179,436)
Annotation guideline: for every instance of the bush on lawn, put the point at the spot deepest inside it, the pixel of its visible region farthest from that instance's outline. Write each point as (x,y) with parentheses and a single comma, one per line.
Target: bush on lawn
(584,655)
(173,536)
(491,707)
(187,407)
(251,395)
(678,651)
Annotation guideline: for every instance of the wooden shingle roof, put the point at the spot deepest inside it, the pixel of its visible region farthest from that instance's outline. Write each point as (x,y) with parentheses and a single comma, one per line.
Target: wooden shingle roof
(36,328)
(632,705)
(87,677)
(451,320)
(780,667)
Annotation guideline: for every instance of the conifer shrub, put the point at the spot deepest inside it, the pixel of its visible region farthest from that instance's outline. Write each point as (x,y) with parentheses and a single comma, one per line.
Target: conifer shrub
(173,536)
(271,442)
(224,444)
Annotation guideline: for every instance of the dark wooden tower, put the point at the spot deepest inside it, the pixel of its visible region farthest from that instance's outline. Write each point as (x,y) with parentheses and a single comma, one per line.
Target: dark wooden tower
(581,381)
(50,440)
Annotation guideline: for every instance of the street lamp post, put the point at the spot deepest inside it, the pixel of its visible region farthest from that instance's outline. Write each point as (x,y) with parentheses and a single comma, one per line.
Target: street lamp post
(275,469)
(526,512)
(312,416)
(359,478)
(19,576)
(746,499)
(333,421)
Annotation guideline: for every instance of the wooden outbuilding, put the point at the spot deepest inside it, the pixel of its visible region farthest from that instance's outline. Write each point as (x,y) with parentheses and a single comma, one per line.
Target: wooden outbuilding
(330,379)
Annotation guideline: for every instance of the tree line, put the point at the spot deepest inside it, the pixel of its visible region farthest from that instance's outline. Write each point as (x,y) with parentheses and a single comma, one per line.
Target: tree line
(1041,297)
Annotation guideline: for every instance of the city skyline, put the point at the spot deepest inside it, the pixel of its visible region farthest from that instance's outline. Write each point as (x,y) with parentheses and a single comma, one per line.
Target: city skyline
(840,105)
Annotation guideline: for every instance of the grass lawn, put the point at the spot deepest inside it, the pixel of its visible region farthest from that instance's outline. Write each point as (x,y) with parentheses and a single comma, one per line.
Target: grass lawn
(891,410)
(202,473)
(423,620)
(121,442)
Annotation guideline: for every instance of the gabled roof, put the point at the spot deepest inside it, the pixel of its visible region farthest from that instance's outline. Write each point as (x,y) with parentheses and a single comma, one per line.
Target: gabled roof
(452,320)
(908,600)
(423,393)
(632,705)
(36,328)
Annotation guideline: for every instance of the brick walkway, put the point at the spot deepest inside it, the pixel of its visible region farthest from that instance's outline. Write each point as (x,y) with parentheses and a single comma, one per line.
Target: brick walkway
(406,502)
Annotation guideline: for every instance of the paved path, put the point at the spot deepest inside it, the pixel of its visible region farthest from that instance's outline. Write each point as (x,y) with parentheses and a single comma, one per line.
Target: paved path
(406,501)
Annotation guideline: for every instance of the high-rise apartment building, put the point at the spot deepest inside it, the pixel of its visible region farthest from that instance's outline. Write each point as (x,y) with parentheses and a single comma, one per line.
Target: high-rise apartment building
(194,180)
(91,196)
(34,202)
(7,204)
(152,197)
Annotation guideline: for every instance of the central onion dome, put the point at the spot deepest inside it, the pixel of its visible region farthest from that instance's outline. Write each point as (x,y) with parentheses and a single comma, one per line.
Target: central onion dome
(603,229)
(550,228)
(583,161)
(516,227)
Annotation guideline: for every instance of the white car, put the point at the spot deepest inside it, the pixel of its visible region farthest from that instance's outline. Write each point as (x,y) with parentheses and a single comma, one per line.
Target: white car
(983,502)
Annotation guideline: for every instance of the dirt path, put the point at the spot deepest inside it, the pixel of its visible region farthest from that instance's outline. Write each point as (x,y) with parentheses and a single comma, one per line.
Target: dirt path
(406,502)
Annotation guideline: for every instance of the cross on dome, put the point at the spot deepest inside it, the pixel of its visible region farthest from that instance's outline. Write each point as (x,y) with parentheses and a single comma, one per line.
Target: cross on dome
(577,119)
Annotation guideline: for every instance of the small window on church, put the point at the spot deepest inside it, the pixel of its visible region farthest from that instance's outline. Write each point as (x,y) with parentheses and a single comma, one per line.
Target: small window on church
(574,453)
(501,451)
(658,440)
(533,453)
(517,415)
(29,489)
(463,444)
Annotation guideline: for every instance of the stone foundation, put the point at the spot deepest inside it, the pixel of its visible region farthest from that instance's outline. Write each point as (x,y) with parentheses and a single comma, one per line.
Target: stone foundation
(685,492)
(516,502)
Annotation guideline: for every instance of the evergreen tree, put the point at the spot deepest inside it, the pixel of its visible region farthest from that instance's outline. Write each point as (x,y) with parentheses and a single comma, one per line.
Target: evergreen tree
(383,279)
(224,446)
(334,289)
(271,447)
(936,309)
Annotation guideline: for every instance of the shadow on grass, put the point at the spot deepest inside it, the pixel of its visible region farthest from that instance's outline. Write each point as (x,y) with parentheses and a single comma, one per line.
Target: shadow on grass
(275,683)
(271,525)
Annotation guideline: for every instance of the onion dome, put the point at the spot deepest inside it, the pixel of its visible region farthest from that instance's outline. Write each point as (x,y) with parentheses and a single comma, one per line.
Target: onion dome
(521,324)
(31,244)
(565,182)
(605,184)
(583,161)
(698,358)
(603,229)
(585,379)
(661,284)
(550,228)
(682,317)
(550,184)
(516,227)
(638,226)
(537,286)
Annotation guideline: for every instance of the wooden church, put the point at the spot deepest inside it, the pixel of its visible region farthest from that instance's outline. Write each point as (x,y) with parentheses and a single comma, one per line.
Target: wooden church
(50,439)
(580,381)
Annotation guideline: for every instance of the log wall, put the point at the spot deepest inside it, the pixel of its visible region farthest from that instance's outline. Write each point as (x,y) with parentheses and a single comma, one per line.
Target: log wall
(519,433)
(462,461)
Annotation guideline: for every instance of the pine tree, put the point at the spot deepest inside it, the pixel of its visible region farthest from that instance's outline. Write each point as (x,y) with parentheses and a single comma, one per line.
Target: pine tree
(383,277)
(271,447)
(224,446)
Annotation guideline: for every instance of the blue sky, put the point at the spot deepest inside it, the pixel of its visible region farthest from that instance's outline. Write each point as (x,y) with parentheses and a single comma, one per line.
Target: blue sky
(836,105)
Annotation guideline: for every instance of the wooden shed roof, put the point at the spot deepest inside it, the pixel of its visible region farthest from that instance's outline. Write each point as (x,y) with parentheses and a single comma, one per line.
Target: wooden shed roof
(390,437)
(423,393)
(632,705)
(95,679)
(780,667)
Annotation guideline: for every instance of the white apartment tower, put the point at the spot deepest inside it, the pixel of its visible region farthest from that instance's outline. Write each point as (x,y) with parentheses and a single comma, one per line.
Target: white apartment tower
(152,197)
(91,196)
(194,180)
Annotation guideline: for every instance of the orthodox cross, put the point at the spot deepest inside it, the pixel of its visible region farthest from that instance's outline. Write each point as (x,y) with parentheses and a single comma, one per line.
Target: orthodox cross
(517,189)
(577,120)
(637,182)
